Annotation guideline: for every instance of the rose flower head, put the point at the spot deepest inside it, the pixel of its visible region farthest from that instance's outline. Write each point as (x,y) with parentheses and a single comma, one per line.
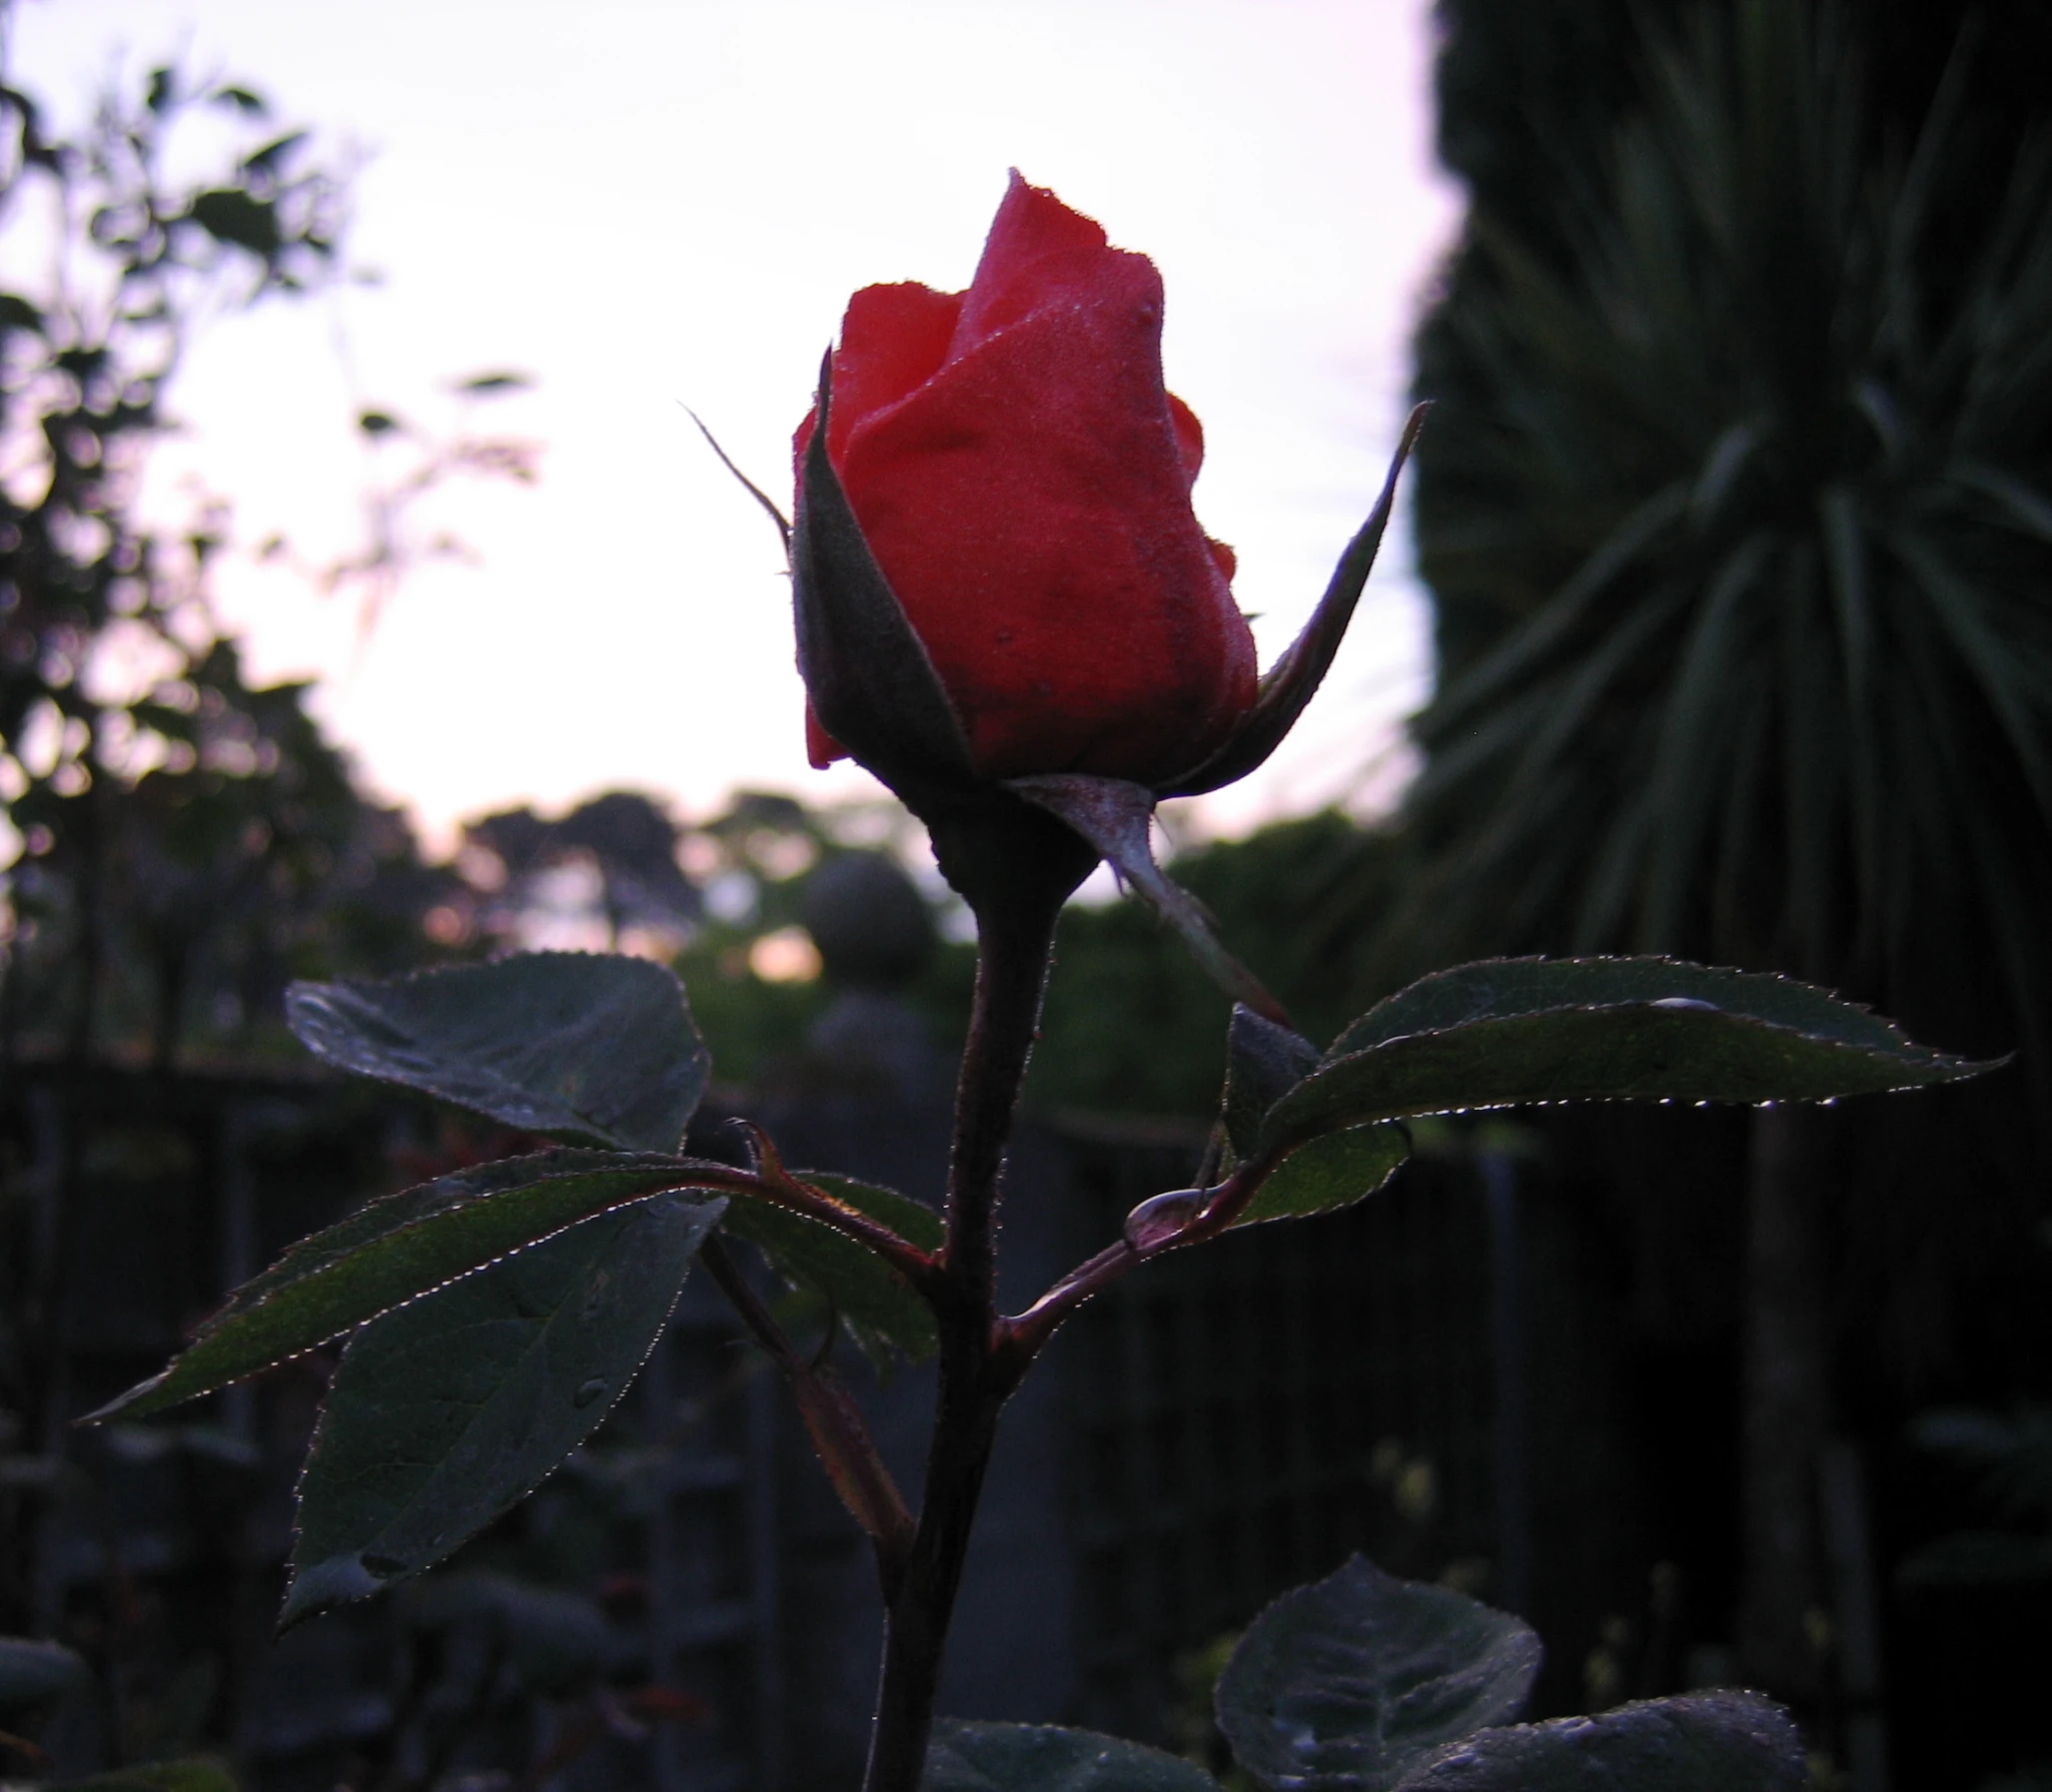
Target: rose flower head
(1002,593)
(1022,479)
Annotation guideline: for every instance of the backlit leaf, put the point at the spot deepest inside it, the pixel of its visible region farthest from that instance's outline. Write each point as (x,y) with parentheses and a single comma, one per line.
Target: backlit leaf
(391,1251)
(1501,987)
(448,1410)
(586,1047)
(1018,1757)
(913,1221)
(1347,1684)
(867,1293)
(1535,1030)
(1328,1173)
(1700,1742)
(1264,1061)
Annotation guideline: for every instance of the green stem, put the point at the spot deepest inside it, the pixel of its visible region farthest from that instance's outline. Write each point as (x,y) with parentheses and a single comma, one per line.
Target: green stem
(1015,936)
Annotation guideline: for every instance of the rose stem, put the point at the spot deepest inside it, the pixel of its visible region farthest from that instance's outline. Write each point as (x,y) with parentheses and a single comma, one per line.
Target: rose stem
(1015,937)
(1021,1339)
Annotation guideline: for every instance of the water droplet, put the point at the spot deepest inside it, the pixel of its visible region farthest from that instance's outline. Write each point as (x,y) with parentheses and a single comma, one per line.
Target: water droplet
(588,1392)
(1687,1002)
(383,1566)
(1154,1223)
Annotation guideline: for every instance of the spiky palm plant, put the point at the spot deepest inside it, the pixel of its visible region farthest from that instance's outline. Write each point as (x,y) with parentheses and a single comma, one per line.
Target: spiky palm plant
(1740,524)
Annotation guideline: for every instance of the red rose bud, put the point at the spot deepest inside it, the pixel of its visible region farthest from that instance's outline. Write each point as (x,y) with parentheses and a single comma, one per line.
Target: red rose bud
(1002,594)
(1012,472)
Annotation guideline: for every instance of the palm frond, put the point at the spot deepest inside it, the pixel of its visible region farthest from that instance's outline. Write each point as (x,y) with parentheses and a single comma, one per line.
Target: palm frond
(1740,524)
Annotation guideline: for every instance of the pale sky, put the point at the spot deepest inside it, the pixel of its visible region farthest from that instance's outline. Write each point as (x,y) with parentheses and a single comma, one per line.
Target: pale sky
(646,206)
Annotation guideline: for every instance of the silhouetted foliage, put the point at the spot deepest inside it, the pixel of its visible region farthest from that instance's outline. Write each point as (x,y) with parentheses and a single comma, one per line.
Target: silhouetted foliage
(1733,509)
(184,842)
(1736,511)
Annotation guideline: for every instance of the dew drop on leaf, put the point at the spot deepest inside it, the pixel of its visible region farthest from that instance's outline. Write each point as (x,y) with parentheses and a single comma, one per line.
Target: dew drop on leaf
(589,1391)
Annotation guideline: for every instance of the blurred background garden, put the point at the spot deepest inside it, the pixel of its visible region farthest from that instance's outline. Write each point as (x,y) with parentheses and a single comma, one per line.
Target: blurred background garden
(369,601)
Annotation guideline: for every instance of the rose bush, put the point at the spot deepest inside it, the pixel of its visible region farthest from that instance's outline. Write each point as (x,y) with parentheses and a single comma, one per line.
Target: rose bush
(1022,479)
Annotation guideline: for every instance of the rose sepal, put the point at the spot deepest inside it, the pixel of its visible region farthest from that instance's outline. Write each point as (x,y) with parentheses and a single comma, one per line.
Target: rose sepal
(768,504)
(1115,816)
(873,685)
(1289,684)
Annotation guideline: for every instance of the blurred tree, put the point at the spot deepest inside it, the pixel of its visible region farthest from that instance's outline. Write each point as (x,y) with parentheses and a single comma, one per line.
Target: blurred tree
(725,900)
(408,462)
(1737,519)
(628,840)
(245,860)
(752,966)
(165,819)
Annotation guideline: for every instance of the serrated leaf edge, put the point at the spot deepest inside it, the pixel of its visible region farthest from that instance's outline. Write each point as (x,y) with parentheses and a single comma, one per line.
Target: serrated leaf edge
(142,1401)
(1954,1069)
(596,1134)
(287,1616)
